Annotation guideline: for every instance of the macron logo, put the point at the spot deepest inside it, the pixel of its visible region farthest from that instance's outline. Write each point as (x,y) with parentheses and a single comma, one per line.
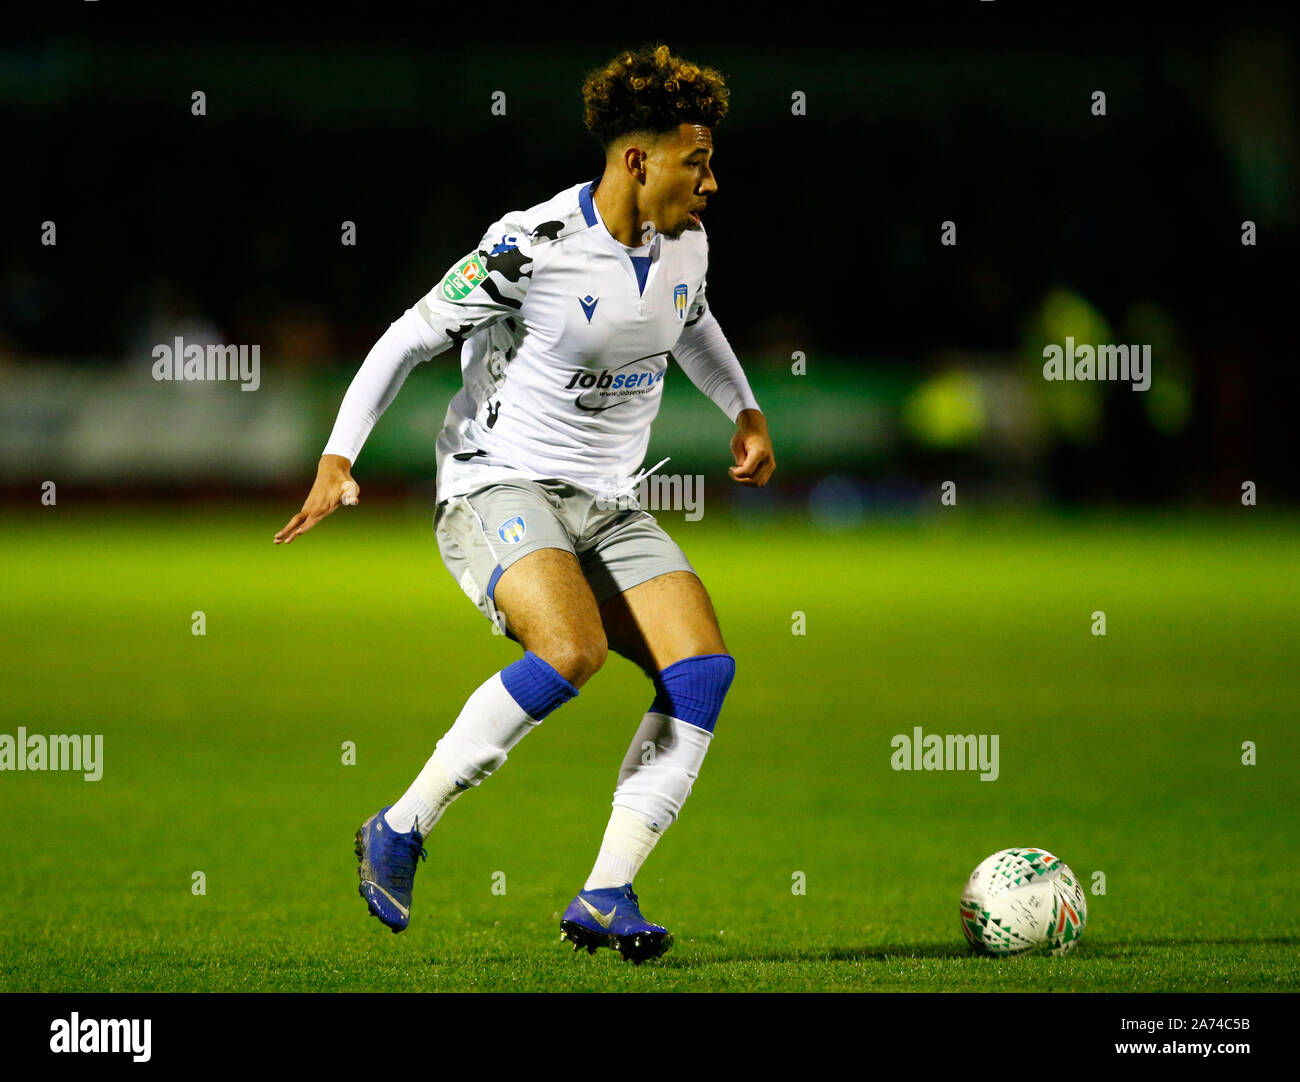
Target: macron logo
(77,1034)
(588,305)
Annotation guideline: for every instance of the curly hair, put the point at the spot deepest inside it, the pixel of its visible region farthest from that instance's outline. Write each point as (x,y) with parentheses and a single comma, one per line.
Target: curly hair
(650,91)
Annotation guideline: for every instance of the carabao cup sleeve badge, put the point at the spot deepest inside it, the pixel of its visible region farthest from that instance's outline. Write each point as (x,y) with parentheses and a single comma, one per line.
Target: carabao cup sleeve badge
(463,278)
(679,299)
(512,530)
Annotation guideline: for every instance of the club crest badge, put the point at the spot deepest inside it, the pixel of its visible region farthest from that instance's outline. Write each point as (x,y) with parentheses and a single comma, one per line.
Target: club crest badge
(512,530)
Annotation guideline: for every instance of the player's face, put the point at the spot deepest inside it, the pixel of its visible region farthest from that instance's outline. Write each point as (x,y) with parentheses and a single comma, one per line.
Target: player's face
(679,179)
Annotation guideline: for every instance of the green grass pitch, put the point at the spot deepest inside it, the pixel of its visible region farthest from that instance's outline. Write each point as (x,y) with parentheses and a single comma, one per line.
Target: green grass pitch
(223,754)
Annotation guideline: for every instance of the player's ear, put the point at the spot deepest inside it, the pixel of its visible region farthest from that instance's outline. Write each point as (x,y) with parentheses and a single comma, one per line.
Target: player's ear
(636,155)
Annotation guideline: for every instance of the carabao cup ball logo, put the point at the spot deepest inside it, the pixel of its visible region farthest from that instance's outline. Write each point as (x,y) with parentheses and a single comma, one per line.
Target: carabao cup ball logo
(512,530)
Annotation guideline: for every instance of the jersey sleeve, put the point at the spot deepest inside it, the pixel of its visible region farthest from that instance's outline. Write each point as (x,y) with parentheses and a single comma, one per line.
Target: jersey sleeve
(489,284)
(705,355)
(486,286)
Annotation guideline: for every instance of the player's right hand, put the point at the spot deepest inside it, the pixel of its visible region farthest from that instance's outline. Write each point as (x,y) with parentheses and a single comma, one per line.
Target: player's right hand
(334,488)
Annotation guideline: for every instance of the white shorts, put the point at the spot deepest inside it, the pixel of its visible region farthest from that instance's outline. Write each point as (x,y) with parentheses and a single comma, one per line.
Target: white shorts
(483,532)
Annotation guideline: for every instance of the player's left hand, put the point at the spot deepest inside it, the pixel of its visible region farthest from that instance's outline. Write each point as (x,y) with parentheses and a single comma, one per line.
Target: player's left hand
(752,448)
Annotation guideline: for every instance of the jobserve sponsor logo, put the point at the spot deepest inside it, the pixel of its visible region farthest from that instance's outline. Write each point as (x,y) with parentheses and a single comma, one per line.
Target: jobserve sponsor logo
(609,387)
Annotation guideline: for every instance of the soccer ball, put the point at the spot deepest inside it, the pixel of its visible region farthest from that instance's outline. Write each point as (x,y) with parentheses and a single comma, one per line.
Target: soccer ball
(1022,900)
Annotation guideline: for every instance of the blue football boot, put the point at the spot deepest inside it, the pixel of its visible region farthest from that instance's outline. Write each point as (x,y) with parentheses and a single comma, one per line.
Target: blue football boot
(387,869)
(610,917)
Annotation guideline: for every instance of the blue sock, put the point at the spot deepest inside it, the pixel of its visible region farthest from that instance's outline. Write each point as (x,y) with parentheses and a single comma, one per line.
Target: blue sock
(536,686)
(692,690)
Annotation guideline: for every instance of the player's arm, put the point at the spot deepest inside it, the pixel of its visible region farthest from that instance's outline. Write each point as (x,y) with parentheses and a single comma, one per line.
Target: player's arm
(705,355)
(488,285)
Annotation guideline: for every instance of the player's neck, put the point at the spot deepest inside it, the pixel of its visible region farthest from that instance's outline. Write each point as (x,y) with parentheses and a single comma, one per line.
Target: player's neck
(618,212)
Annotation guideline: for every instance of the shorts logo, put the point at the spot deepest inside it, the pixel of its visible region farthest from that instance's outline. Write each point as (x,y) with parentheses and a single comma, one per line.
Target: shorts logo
(463,278)
(679,299)
(512,530)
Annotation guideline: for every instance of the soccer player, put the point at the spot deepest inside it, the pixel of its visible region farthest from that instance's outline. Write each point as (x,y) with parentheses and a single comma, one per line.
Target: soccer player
(567,315)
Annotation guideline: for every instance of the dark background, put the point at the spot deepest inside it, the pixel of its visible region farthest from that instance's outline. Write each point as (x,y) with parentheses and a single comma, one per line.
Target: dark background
(824,234)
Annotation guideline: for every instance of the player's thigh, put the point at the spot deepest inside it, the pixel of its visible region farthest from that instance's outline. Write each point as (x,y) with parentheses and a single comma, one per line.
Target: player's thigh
(510,548)
(550,609)
(662,621)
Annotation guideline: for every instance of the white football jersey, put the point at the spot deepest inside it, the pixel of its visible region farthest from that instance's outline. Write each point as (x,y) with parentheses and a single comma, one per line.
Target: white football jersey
(564,349)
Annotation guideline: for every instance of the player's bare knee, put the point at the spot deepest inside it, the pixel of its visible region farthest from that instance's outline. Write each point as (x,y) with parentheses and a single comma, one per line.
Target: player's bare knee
(577,657)
(708,644)
(589,652)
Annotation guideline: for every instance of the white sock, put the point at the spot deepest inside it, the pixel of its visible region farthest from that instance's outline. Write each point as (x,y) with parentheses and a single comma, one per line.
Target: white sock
(422,805)
(489,725)
(628,841)
(660,766)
